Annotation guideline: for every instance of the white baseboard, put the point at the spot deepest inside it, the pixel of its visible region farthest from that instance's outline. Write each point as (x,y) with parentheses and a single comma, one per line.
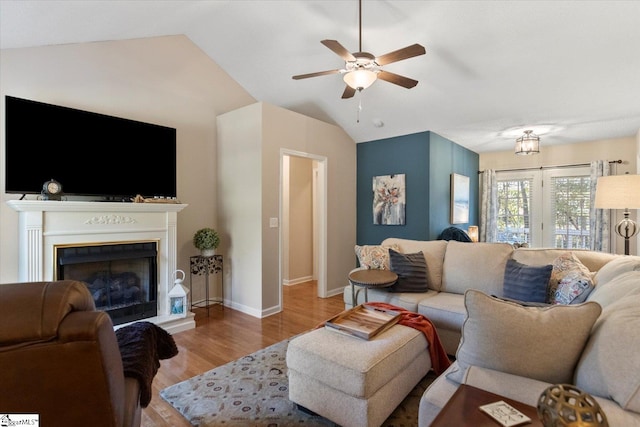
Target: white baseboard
(297,281)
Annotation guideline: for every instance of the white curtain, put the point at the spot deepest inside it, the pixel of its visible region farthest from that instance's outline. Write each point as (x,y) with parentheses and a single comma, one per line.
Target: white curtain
(488,206)
(599,224)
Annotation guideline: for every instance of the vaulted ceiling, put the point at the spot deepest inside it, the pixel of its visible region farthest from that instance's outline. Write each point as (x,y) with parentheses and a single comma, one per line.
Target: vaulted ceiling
(568,70)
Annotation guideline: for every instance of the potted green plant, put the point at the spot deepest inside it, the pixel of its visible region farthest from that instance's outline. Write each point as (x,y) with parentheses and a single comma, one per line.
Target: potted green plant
(207,240)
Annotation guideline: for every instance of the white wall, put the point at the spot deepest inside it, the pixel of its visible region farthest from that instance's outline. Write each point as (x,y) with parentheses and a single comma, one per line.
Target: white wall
(240,213)
(260,132)
(625,149)
(162,80)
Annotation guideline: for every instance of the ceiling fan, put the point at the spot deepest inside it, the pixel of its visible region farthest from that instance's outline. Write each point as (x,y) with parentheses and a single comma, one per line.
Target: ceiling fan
(362,69)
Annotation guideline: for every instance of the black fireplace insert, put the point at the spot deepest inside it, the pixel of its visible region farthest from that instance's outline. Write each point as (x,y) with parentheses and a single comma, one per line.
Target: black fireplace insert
(122,277)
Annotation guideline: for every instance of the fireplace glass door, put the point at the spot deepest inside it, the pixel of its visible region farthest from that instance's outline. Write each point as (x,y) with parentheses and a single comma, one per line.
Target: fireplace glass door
(122,278)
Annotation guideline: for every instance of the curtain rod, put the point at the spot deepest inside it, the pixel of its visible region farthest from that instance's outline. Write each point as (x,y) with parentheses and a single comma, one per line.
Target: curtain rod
(551,167)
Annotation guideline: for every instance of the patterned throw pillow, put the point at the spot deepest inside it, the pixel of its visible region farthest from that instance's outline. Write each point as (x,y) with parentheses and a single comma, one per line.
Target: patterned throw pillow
(374,256)
(571,282)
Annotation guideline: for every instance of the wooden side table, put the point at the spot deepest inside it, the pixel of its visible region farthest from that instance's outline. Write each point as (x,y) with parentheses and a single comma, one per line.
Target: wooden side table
(370,278)
(206,265)
(463,409)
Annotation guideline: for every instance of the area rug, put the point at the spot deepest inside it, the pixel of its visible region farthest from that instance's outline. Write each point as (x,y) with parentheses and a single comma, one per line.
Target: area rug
(254,391)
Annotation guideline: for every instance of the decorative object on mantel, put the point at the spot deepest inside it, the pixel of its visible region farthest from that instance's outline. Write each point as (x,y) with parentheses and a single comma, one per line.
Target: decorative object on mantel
(178,296)
(207,240)
(51,190)
(566,405)
(529,143)
(620,192)
(140,199)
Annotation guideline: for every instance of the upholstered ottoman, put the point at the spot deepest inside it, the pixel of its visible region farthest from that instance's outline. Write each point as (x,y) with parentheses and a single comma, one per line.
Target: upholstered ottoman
(354,382)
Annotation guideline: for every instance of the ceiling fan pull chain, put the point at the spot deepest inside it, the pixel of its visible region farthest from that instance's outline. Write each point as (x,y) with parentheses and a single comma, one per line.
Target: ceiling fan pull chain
(359,105)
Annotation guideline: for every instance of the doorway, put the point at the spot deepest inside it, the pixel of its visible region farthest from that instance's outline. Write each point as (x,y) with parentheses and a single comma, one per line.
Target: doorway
(303,210)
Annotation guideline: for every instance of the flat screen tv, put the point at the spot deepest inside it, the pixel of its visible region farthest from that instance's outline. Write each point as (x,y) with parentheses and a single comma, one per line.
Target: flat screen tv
(90,154)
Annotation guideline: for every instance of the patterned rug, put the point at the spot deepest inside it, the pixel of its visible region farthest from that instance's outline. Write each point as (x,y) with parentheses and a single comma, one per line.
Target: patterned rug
(254,391)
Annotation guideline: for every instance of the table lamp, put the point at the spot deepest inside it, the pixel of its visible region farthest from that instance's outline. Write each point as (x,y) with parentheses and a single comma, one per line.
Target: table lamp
(620,192)
(473,233)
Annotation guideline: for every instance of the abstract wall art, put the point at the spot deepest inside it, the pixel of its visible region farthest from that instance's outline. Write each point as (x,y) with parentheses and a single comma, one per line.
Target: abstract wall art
(389,199)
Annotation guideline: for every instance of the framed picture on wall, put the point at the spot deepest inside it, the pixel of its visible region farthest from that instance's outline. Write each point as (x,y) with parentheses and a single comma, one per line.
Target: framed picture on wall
(459,199)
(388,199)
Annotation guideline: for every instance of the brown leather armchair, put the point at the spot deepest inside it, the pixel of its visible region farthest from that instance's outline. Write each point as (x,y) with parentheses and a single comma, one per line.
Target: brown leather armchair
(59,358)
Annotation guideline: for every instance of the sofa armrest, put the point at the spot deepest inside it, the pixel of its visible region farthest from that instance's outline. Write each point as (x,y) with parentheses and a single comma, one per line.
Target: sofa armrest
(32,312)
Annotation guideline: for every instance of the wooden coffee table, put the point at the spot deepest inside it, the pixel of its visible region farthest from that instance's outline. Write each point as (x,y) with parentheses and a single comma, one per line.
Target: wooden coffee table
(463,409)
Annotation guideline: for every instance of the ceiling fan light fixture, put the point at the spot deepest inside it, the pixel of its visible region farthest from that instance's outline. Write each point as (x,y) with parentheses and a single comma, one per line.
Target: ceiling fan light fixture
(529,143)
(360,79)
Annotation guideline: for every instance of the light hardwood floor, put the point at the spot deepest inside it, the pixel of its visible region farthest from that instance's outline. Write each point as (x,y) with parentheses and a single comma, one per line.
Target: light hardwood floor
(227,335)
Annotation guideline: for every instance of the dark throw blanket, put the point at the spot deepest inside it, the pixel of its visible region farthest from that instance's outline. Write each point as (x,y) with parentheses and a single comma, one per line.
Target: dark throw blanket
(439,359)
(142,346)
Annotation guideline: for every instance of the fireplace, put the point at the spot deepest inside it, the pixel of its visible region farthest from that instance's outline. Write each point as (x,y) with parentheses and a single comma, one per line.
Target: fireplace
(46,227)
(122,278)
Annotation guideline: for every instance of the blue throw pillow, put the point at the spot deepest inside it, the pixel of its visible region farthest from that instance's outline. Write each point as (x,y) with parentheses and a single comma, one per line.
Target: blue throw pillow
(525,282)
(411,270)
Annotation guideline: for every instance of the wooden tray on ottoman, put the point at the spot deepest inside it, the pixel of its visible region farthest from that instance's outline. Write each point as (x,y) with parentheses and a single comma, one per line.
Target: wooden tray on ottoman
(363,321)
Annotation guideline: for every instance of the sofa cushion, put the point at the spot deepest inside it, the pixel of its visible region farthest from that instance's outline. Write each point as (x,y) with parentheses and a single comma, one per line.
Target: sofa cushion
(528,341)
(433,251)
(571,282)
(411,270)
(615,268)
(475,266)
(374,256)
(526,283)
(593,260)
(617,288)
(610,364)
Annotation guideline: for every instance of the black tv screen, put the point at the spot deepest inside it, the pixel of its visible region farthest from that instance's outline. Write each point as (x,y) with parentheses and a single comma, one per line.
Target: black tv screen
(90,154)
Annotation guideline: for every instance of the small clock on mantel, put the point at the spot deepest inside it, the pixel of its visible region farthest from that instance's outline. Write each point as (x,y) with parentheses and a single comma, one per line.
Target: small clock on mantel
(51,190)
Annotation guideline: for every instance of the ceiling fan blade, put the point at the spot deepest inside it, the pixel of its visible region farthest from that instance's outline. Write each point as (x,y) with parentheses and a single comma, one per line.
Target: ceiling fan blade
(400,54)
(319,73)
(397,79)
(348,92)
(339,49)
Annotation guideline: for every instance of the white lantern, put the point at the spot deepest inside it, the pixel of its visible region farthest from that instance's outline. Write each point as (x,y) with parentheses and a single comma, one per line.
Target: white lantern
(178,296)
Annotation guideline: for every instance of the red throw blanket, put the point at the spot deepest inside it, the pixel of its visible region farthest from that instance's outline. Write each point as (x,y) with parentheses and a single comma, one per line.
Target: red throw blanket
(439,359)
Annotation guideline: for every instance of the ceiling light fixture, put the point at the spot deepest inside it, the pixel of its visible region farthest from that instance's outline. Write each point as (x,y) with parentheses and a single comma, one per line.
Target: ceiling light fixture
(360,79)
(362,69)
(529,143)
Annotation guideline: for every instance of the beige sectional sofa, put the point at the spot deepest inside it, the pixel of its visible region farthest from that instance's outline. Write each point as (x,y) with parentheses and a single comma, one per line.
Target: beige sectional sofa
(518,351)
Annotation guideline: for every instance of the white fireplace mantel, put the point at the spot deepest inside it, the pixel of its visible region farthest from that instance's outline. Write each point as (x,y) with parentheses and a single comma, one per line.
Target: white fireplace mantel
(44,225)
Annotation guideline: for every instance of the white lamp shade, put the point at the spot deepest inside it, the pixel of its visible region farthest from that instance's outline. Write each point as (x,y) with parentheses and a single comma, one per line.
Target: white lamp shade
(473,233)
(618,192)
(360,79)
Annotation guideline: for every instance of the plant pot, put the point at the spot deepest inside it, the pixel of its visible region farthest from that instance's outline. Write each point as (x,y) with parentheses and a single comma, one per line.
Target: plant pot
(208,252)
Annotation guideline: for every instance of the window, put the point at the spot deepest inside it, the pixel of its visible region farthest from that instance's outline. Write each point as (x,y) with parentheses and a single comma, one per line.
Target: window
(544,208)
(514,210)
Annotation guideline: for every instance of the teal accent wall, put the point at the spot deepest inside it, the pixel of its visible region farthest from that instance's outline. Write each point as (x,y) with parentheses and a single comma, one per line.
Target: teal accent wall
(427,160)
